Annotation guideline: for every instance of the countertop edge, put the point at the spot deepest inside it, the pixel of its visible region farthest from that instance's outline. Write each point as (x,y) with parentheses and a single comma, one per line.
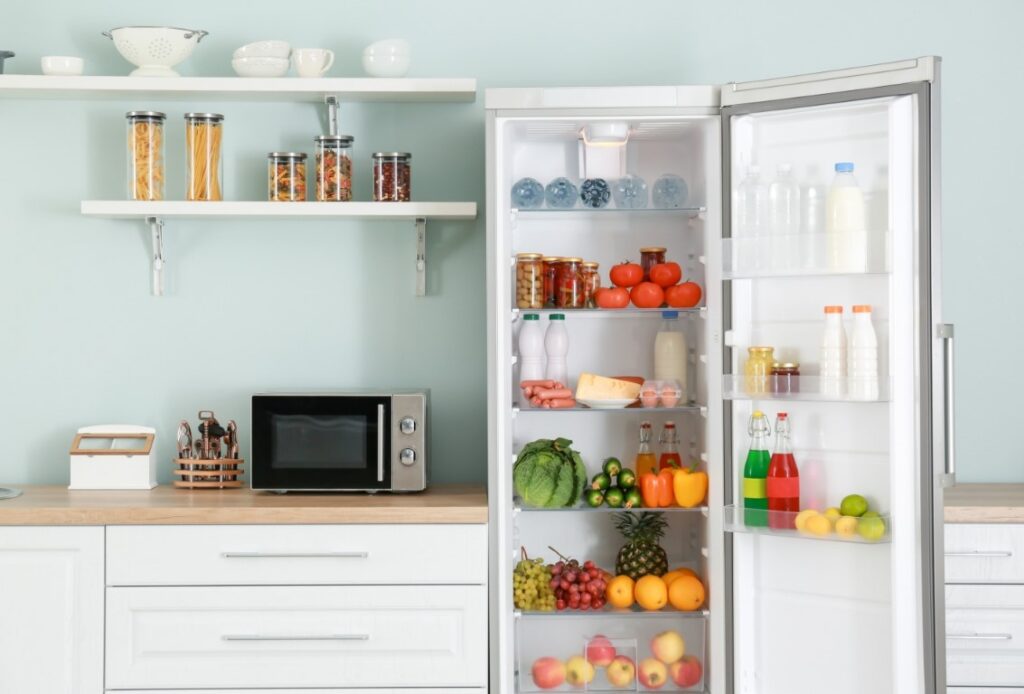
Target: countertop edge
(984,514)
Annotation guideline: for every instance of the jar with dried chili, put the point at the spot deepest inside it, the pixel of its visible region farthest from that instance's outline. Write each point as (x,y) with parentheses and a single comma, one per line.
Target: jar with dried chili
(333,168)
(571,293)
(551,264)
(286,176)
(591,283)
(649,257)
(392,177)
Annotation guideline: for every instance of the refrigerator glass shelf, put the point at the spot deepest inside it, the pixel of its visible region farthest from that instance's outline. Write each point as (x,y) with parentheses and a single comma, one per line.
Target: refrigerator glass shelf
(685,409)
(611,313)
(735,521)
(519,508)
(796,255)
(734,387)
(630,613)
(548,212)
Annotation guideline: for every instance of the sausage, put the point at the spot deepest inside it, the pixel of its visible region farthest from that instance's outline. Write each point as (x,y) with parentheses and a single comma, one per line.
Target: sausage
(536,401)
(528,391)
(535,384)
(555,394)
(560,403)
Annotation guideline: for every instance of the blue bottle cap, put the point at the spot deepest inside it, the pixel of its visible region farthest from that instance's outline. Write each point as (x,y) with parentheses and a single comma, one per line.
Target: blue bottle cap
(844,167)
(670,314)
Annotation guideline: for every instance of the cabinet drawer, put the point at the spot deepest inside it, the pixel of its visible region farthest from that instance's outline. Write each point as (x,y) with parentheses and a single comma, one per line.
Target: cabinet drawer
(984,553)
(296,554)
(312,636)
(983,690)
(985,636)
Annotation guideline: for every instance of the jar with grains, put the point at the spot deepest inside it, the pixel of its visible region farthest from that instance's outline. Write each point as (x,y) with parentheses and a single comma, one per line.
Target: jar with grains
(146,155)
(203,160)
(392,177)
(785,377)
(758,369)
(551,281)
(649,257)
(333,168)
(591,283)
(571,293)
(286,177)
(529,281)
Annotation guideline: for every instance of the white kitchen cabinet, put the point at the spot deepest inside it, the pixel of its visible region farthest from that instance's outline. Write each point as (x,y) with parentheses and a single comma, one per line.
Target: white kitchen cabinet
(984,553)
(976,690)
(984,630)
(51,610)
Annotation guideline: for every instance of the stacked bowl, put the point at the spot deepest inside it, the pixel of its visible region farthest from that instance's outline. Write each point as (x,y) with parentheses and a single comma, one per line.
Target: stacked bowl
(262,59)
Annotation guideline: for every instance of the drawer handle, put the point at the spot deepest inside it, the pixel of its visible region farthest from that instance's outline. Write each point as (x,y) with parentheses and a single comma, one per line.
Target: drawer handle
(295,637)
(980,637)
(980,554)
(296,555)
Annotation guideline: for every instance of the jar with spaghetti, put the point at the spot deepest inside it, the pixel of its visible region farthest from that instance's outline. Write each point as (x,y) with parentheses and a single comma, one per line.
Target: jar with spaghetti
(591,283)
(333,168)
(204,161)
(145,155)
(758,369)
(649,257)
(286,176)
(392,177)
(571,293)
(551,264)
(529,281)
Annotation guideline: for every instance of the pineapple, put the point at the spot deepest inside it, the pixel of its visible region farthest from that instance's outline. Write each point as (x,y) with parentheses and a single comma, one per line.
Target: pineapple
(641,555)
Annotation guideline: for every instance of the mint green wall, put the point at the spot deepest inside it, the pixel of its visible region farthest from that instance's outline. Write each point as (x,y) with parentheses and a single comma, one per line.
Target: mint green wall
(267,305)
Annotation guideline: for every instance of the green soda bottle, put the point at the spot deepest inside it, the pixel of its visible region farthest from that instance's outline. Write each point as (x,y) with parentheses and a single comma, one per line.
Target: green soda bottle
(755,472)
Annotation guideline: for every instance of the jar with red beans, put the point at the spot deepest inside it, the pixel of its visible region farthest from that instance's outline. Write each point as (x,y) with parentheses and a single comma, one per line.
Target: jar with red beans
(571,293)
(392,177)
(591,283)
(550,270)
(649,257)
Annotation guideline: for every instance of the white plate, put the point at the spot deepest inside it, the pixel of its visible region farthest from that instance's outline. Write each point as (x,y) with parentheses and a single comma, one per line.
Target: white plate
(616,404)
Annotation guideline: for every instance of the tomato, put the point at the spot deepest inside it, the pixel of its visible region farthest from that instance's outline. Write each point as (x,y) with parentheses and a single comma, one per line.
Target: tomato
(647,295)
(615,297)
(666,274)
(626,274)
(685,295)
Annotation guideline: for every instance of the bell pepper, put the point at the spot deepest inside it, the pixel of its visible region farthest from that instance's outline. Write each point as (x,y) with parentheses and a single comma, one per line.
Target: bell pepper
(666,480)
(690,487)
(649,487)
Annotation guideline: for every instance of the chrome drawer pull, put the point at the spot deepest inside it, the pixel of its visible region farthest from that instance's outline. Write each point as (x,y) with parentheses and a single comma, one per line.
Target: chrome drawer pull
(981,554)
(980,637)
(295,555)
(295,637)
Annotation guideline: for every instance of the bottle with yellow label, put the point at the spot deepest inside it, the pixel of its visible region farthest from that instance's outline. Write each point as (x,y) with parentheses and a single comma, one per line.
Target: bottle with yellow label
(755,472)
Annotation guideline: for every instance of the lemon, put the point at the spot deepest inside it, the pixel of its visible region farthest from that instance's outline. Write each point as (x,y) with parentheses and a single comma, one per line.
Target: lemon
(801,518)
(871,528)
(854,505)
(832,513)
(818,525)
(846,526)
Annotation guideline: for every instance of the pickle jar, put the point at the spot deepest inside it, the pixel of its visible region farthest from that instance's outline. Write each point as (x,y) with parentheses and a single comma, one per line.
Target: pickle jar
(570,284)
(758,369)
(392,177)
(203,158)
(649,257)
(333,168)
(145,155)
(286,176)
(529,280)
(551,264)
(591,283)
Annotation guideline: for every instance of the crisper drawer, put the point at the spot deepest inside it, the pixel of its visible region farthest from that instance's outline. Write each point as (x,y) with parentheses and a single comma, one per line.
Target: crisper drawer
(985,636)
(290,636)
(984,553)
(296,554)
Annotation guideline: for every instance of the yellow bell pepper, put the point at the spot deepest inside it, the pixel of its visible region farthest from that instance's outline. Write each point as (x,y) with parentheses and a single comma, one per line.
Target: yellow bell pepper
(690,488)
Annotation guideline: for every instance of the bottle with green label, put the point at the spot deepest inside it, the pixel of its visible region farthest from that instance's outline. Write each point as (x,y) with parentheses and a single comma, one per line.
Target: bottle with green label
(755,472)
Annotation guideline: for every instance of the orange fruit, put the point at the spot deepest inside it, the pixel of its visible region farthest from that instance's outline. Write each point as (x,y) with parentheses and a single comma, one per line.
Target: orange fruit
(651,592)
(671,576)
(686,593)
(688,572)
(620,592)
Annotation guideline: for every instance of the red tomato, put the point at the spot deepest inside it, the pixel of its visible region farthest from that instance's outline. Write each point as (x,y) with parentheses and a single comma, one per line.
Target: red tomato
(647,295)
(685,295)
(666,274)
(615,297)
(626,274)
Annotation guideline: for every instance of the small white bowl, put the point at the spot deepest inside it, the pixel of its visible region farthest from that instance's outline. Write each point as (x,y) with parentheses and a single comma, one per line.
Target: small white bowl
(388,58)
(260,67)
(264,49)
(63,65)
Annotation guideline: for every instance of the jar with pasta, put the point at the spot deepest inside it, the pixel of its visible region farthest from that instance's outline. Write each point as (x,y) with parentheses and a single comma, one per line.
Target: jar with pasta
(333,168)
(570,284)
(392,177)
(591,283)
(529,281)
(286,177)
(204,161)
(145,155)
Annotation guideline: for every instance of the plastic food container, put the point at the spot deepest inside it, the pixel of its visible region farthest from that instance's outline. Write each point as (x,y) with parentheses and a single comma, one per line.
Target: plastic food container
(529,280)
(649,392)
(591,283)
(204,163)
(571,293)
(145,155)
(333,168)
(286,176)
(649,257)
(664,393)
(392,177)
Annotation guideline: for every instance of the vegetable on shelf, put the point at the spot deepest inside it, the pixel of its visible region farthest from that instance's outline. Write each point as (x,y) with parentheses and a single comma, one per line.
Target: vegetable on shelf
(626,274)
(685,295)
(549,474)
(689,487)
(667,274)
(647,295)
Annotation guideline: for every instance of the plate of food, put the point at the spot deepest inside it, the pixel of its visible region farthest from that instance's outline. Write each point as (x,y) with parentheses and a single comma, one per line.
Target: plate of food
(610,404)
(603,393)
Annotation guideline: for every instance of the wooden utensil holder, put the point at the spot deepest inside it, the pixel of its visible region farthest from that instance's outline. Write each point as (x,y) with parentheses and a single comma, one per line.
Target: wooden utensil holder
(198,473)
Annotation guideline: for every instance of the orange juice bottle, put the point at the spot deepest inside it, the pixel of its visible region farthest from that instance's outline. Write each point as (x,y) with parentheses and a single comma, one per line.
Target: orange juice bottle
(646,461)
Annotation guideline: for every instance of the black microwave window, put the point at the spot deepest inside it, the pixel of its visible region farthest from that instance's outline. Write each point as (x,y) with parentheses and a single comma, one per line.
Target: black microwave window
(336,442)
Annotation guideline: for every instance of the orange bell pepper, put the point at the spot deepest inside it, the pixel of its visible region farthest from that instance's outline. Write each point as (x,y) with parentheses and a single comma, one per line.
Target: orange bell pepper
(649,486)
(690,487)
(665,487)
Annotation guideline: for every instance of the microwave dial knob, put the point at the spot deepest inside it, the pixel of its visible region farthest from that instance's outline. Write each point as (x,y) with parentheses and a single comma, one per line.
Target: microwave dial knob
(407,425)
(407,456)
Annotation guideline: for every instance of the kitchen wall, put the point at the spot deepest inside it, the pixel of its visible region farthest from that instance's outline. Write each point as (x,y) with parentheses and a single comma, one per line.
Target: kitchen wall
(269,305)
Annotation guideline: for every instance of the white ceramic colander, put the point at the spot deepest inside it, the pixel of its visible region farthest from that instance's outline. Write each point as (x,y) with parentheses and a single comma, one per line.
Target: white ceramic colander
(155,50)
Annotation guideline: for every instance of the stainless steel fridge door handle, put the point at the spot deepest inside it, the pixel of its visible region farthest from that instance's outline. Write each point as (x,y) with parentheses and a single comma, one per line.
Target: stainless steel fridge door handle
(380,443)
(945,333)
(979,637)
(295,555)
(295,637)
(981,554)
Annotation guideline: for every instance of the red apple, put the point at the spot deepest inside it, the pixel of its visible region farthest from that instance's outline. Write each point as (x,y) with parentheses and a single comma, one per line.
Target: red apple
(548,673)
(686,672)
(621,672)
(600,651)
(653,673)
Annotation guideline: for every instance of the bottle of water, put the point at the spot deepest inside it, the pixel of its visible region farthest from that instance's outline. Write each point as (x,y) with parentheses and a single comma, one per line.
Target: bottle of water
(833,354)
(784,218)
(751,220)
(812,221)
(863,356)
(531,353)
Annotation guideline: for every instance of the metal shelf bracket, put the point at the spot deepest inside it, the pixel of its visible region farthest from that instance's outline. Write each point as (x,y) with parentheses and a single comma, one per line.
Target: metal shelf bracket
(332,114)
(156,232)
(421,256)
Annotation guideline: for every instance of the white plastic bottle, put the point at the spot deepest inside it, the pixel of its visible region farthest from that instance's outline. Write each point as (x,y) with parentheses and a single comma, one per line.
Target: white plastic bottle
(531,353)
(556,346)
(813,195)
(833,354)
(863,356)
(670,352)
(750,220)
(845,225)
(784,218)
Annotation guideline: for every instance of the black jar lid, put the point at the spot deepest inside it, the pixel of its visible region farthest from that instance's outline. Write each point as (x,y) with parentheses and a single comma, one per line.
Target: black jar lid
(334,139)
(286,155)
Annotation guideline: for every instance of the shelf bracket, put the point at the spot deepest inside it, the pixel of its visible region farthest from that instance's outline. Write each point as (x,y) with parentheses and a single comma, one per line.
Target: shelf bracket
(421,256)
(332,114)
(156,231)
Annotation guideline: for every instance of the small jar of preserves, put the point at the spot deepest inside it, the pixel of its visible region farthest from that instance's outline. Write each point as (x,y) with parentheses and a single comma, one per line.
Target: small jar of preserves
(785,377)
(392,177)
(571,293)
(529,280)
(591,283)
(286,176)
(758,369)
(333,168)
(146,155)
(551,264)
(204,133)
(649,257)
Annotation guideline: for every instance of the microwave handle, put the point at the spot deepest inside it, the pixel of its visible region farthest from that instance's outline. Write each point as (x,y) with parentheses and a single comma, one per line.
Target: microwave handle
(380,443)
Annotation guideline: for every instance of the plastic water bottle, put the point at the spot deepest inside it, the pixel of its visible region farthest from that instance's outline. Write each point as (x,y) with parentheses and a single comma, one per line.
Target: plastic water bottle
(531,353)
(813,195)
(845,226)
(751,220)
(556,346)
(784,218)
(833,354)
(863,356)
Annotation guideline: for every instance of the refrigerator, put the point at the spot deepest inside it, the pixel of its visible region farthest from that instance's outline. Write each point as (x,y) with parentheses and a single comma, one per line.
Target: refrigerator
(786,611)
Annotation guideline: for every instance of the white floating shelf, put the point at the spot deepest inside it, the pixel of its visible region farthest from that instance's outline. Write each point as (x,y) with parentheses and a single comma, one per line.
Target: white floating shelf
(180,209)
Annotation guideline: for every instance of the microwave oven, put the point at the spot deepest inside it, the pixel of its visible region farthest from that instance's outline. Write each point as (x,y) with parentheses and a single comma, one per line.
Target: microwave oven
(340,442)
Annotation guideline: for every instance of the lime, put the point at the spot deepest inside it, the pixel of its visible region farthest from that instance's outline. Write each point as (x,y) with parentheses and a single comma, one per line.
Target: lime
(871,527)
(614,497)
(853,505)
(612,466)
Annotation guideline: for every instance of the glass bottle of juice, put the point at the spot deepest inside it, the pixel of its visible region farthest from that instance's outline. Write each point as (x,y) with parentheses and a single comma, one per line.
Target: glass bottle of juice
(645,458)
(755,472)
(669,448)
(783,485)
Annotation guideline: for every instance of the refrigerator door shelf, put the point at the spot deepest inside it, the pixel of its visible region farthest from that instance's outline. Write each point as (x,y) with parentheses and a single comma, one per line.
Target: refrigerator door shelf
(800,255)
(807,388)
(872,531)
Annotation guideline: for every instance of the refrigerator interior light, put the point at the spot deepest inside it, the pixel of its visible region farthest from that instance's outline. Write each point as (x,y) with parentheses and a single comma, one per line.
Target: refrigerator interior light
(603,149)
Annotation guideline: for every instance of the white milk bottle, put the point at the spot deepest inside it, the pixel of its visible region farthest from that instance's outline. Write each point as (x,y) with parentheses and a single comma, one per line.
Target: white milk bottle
(845,225)
(556,346)
(670,352)
(750,221)
(784,218)
(863,356)
(833,354)
(531,353)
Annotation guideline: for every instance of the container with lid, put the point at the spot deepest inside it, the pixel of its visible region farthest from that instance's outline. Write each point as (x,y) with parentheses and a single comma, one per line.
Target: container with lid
(785,377)
(571,293)
(392,177)
(203,156)
(591,283)
(529,280)
(758,369)
(286,177)
(145,155)
(649,257)
(551,280)
(333,168)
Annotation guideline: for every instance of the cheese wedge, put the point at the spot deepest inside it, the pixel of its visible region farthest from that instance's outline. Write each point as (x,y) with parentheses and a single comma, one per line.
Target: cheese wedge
(593,387)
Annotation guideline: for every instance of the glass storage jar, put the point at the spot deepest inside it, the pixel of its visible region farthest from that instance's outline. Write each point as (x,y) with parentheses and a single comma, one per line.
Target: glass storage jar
(551,281)
(286,177)
(571,293)
(591,283)
(145,155)
(203,160)
(649,257)
(333,168)
(392,177)
(529,280)
(785,377)
(758,369)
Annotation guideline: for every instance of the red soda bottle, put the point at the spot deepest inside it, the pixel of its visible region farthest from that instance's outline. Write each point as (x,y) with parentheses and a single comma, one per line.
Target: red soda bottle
(783,479)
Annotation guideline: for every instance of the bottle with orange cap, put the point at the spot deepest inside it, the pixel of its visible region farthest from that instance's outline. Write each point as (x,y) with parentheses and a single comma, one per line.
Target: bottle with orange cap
(833,354)
(862,365)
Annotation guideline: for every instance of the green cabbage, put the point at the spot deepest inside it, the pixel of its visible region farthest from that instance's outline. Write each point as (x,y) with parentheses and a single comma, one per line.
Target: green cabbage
(549,474)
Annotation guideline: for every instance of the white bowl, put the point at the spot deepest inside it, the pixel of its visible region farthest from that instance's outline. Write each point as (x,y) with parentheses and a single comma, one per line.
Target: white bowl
(62,65)
(388,58)
(264,49)
(155,50)
(260,67)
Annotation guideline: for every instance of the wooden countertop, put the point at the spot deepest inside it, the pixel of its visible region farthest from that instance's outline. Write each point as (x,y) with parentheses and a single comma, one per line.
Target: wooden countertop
(165,505)
(985,503)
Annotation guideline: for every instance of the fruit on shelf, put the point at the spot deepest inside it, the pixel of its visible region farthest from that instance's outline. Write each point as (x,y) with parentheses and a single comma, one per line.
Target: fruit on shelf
(650,592)
(578,672)
(626,274)
(621,672)
(612,297)
(600,651)
(666,275)
(619,592)
(686,672)
(846,526)
(870,526)
(577,587)
(853,505)
(800,522)
(652,673)
(647,295)
(531,585)
(818,525)
(686,593)
(690,488)
(548,672)
(549,474)
(832,513)
(685,295)
(641,555)
(668,646)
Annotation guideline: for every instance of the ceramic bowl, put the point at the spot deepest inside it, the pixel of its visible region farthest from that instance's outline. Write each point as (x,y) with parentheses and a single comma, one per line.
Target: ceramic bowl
(388,58)
(62,65)
(260,67)
(155,50)
(264,49)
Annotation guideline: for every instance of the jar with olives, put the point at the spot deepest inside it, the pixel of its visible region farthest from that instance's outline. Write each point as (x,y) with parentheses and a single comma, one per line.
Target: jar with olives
(529,280)
(571,293)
